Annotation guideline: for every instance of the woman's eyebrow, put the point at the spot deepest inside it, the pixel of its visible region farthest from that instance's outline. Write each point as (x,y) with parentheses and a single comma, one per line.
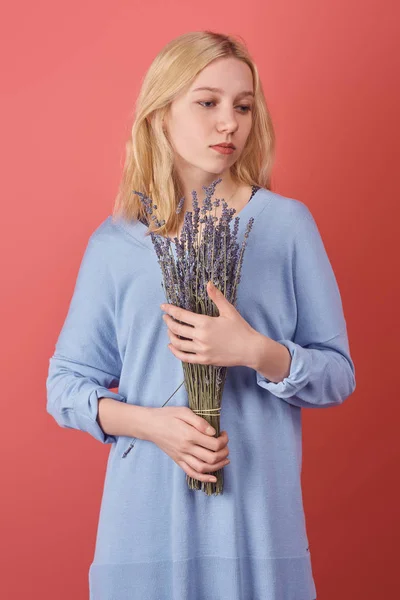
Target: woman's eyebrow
(214,89)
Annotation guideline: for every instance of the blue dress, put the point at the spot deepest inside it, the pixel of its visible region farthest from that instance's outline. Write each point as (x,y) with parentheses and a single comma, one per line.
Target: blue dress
(156,538)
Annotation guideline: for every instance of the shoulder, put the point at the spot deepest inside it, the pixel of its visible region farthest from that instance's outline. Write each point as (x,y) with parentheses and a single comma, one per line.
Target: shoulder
(110,235)
(104,231)
(103,243)
(286,215)
(114,247)
(285,206)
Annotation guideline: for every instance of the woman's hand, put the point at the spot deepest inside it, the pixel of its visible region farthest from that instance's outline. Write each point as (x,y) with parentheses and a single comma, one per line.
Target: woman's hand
(181,434)
(222,341)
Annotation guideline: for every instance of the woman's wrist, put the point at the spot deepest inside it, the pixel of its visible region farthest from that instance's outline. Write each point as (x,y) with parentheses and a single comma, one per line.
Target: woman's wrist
(270,358)
(119,418)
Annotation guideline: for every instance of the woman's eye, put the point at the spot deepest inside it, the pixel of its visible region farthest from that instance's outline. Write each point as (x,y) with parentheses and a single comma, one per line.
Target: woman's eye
(247,108)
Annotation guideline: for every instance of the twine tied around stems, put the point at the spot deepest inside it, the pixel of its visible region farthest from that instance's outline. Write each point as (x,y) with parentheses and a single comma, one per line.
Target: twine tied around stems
(207,411)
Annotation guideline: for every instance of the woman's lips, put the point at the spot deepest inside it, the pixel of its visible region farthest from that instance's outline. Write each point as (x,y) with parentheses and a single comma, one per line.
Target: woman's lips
(223,149)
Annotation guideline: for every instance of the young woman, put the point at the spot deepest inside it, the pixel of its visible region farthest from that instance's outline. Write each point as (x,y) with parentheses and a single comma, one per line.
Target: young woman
(285,343)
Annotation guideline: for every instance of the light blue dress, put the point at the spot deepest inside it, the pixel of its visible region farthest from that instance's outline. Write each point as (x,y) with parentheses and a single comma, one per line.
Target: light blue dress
(156,538)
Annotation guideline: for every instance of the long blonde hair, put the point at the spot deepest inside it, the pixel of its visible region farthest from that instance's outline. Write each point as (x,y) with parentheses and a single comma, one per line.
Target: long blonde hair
(149,161)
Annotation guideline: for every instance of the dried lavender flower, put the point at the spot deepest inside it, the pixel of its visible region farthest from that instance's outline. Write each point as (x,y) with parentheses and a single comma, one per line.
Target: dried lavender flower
(207,250)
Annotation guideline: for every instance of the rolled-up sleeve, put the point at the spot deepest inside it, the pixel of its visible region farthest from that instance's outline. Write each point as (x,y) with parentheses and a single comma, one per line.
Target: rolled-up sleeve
(322,372)
(86,361)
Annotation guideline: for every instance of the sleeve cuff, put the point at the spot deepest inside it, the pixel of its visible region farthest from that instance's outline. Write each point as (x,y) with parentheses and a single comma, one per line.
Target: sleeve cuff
(88,422)
(298,377)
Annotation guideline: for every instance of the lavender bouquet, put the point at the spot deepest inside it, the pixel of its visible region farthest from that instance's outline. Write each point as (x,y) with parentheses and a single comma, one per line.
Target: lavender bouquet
(207,250)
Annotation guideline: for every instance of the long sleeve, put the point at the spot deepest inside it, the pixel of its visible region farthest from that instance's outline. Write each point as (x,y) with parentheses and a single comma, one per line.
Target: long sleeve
(322,373)
(86,361)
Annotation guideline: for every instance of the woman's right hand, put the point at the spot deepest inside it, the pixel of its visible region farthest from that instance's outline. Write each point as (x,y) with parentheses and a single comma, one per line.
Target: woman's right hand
(181,434)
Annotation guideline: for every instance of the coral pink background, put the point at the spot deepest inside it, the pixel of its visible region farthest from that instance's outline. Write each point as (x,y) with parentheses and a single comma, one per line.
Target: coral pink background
(70,76)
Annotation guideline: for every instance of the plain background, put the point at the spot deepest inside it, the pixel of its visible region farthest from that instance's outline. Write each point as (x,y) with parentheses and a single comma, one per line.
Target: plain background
(70,76)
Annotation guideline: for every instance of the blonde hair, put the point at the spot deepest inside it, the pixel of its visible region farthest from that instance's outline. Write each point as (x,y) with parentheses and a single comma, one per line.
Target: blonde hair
(149,161)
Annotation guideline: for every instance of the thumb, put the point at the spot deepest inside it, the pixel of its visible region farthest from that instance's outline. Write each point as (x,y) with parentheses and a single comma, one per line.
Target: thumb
(199,423)
(210,430)
(213,288)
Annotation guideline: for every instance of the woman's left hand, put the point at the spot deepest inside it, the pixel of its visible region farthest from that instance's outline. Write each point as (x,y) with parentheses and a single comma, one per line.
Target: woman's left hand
(225,340)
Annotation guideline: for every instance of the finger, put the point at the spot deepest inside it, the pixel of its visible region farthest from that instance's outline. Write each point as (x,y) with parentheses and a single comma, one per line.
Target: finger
(204,467)
(179,344)
(209,441)
(180,329)
(200,476)
(183,315)
(186,357)
(197,422)
(192,473)
(209,456)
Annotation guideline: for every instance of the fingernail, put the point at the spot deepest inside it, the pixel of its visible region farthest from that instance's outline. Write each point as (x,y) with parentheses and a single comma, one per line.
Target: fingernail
(210,430)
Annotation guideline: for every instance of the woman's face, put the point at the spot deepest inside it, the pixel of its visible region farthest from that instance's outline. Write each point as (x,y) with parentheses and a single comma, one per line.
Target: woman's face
(200,119)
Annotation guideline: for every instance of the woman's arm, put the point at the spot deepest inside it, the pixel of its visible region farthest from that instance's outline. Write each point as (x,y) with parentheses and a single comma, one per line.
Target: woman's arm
(321,371)
(86,361)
